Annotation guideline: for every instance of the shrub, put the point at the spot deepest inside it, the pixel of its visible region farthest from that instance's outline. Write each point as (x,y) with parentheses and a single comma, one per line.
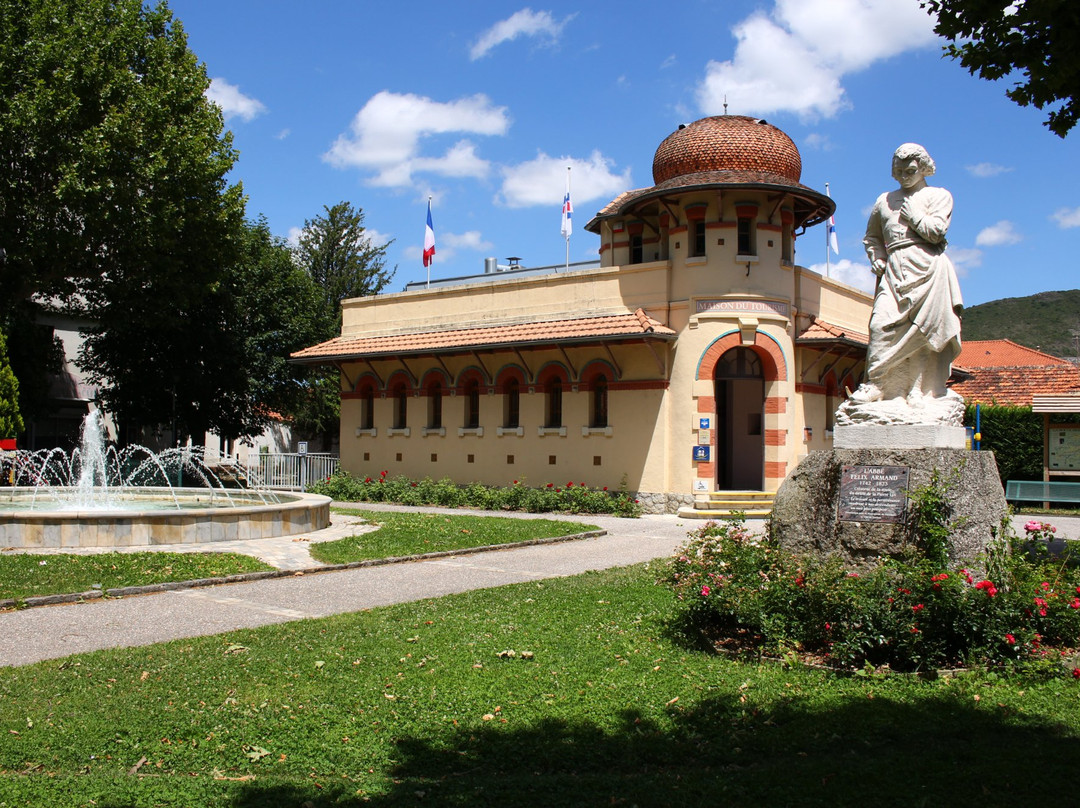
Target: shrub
(570,497)
(911,614)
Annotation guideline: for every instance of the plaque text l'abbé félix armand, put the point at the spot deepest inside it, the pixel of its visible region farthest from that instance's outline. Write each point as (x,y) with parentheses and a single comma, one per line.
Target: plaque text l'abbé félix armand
(873,493)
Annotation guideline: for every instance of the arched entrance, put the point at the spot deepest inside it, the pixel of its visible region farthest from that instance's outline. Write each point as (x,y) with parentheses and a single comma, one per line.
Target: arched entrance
(740,420)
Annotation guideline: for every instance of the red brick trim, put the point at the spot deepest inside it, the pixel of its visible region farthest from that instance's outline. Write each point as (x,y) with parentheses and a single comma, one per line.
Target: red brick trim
(775,470)
(773,364)
(706,471)
(706,404)
(677,230)
(659,384)
(695,212)
(776,437)
(806,387)
(746,210)
(775,405)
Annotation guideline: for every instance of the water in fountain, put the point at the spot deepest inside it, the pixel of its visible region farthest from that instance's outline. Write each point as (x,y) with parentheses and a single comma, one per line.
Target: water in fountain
(99,477)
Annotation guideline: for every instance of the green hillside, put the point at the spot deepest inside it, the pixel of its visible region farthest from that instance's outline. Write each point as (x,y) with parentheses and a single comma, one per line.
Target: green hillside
(1048,321)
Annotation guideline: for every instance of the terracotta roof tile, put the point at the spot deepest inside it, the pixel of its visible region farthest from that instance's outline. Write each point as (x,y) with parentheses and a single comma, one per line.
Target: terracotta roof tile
(999,353)
(821,331)
(1014,386)
(584,329)
(727,143)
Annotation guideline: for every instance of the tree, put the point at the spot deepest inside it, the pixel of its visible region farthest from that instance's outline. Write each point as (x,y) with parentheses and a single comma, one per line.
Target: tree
(11,422)
(113,193)
(343,262)
(341,258)
(1040,38)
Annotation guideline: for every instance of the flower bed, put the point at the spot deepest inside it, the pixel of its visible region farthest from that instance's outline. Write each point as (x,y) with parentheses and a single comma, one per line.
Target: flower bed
(570,497)
(742,590)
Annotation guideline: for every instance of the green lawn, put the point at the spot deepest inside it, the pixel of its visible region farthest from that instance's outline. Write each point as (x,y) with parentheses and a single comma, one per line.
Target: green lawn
(603,701)
(406,533)
(28,575)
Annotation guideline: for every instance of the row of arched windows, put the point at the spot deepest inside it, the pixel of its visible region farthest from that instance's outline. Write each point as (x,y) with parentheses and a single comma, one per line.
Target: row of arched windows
(434,394)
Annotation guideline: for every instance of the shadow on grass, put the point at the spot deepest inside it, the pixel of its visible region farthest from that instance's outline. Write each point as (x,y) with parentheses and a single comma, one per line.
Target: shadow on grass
(947,749)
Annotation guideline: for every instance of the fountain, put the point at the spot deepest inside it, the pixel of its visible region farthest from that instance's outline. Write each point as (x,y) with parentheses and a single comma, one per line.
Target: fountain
(101,496)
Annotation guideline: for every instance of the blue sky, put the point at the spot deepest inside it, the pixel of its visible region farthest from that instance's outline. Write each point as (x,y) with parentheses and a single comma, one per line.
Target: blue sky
(483,105)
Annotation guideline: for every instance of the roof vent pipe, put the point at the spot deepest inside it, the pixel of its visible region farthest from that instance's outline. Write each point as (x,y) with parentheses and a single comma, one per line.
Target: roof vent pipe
(491,265)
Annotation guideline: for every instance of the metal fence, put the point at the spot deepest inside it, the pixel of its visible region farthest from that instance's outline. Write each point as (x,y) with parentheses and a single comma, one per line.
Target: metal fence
(293,472)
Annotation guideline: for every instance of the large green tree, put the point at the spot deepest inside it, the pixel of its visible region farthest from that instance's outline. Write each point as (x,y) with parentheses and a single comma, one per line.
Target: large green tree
(11,423)
(342,260)
(114,197)
(1037,39)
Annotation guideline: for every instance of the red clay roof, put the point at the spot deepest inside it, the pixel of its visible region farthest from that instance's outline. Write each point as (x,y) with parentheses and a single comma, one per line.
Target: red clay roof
(998,353)
(632,325)
(821,331)
(727,143)
(1014,386)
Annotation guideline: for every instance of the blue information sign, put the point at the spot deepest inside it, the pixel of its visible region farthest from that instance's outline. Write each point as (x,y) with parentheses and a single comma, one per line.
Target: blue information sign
(701,453)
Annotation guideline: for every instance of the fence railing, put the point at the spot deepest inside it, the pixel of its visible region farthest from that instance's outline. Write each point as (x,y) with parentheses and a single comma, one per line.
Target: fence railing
(291,471)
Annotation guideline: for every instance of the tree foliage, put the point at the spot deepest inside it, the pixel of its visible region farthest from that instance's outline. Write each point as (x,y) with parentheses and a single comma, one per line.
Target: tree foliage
(11,423)
(340,258)
(335,250)
(1038,38)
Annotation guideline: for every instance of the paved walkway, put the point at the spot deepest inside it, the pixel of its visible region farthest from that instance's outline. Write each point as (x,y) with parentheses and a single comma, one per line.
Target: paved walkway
(32,635)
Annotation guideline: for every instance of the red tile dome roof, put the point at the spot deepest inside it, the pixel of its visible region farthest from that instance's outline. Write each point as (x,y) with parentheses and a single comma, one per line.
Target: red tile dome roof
(734,143)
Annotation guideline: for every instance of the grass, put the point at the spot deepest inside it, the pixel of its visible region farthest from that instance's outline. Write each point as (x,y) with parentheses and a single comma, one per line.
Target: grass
(604,701)
(402,534)
(24,575)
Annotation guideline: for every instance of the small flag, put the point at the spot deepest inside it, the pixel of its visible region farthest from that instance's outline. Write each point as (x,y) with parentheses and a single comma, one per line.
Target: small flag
(429,238)
(567,211)
(832,229)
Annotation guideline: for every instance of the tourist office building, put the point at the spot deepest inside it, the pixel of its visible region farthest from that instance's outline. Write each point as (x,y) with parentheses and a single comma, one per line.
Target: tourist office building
(697,357)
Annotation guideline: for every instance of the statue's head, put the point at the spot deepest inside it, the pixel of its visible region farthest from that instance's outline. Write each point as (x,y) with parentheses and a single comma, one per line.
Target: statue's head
(908,152)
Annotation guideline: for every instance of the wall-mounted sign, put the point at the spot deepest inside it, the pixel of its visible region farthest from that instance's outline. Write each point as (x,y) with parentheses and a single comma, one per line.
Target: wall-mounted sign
(1064,446)
(728,306)
(701,453)
(704,422)
(301,447)
(701,486)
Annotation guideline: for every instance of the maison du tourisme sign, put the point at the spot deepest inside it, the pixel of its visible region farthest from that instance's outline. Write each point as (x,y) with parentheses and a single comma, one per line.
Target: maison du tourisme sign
(728,306)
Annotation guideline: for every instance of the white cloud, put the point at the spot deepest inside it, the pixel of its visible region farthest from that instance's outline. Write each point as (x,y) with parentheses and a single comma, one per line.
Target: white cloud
(233,103)
(386,135)
(376,238)
(818,141)
(965,259)
(1067,217)
(997,235)
(985,170)
(542,181)
(521,23)
(668,62)
(284,133)
(847,271)
(793,58)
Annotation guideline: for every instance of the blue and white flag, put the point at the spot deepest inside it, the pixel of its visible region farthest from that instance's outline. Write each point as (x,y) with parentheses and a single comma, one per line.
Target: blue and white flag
(831,229)
(567,211)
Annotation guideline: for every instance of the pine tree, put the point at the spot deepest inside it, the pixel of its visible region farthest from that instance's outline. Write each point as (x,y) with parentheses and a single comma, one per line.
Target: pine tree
(11,422)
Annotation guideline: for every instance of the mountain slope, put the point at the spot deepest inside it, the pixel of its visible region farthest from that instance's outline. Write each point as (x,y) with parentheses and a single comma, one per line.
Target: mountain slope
(1048,321)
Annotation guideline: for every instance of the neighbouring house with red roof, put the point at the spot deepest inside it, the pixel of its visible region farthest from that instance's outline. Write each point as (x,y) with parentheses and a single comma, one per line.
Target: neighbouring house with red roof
(1001,372)
(695,358)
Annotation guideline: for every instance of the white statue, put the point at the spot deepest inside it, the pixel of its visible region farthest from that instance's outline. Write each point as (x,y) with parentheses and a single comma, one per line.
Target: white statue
(915,321)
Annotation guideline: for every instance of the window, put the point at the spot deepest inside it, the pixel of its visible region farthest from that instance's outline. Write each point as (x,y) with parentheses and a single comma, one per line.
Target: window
(739,363)
(787,242)
(599,419)
(512,405)
(401,406)
(553,410)
(472,404)
(745,238)
(367,407)
(435,400)
(697,239)
(636,249)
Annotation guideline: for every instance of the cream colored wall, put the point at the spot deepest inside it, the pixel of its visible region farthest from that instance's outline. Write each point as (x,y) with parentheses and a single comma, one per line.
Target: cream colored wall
(652,430)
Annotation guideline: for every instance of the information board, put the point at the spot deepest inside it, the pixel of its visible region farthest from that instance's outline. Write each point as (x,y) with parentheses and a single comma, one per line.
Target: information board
(873,493)
(1064,454)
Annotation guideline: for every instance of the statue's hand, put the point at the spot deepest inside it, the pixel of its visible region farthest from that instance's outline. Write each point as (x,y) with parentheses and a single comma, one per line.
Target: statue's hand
(878,267)
(905,210)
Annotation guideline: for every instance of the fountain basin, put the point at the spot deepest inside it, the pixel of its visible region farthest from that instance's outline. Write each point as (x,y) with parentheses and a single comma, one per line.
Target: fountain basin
(149,517)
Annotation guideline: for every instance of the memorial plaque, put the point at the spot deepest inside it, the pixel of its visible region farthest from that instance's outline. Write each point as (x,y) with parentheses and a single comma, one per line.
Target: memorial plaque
(873,493)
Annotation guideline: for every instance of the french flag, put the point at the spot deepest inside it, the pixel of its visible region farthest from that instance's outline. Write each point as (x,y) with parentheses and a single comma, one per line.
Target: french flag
(832,236)
(429,239)
(567,212)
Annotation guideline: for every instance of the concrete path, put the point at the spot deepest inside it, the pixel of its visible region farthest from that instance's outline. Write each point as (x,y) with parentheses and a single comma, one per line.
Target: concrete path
(32,635)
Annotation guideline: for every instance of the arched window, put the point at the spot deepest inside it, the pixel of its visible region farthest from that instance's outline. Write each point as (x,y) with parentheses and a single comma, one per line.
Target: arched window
(553,393)
(739,363)
(599,402)
(367,407)
(401,406)
(435,401)
(472,404)
(512,404)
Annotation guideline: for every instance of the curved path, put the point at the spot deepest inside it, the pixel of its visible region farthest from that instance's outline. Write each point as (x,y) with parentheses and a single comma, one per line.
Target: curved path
(32,635)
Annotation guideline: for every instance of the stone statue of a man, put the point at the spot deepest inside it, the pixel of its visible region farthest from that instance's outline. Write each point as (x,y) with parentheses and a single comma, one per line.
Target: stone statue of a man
(915,320)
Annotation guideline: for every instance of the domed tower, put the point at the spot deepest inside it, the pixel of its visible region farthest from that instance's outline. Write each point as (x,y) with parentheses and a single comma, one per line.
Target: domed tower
(719,226)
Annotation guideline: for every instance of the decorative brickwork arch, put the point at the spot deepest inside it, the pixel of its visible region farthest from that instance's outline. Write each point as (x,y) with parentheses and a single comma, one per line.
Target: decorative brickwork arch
(508,372)
(434,375)
(595,369)
(774,363)
(470,374)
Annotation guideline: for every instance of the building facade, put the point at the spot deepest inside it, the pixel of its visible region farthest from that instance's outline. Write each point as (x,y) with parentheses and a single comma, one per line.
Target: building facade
(698,357)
